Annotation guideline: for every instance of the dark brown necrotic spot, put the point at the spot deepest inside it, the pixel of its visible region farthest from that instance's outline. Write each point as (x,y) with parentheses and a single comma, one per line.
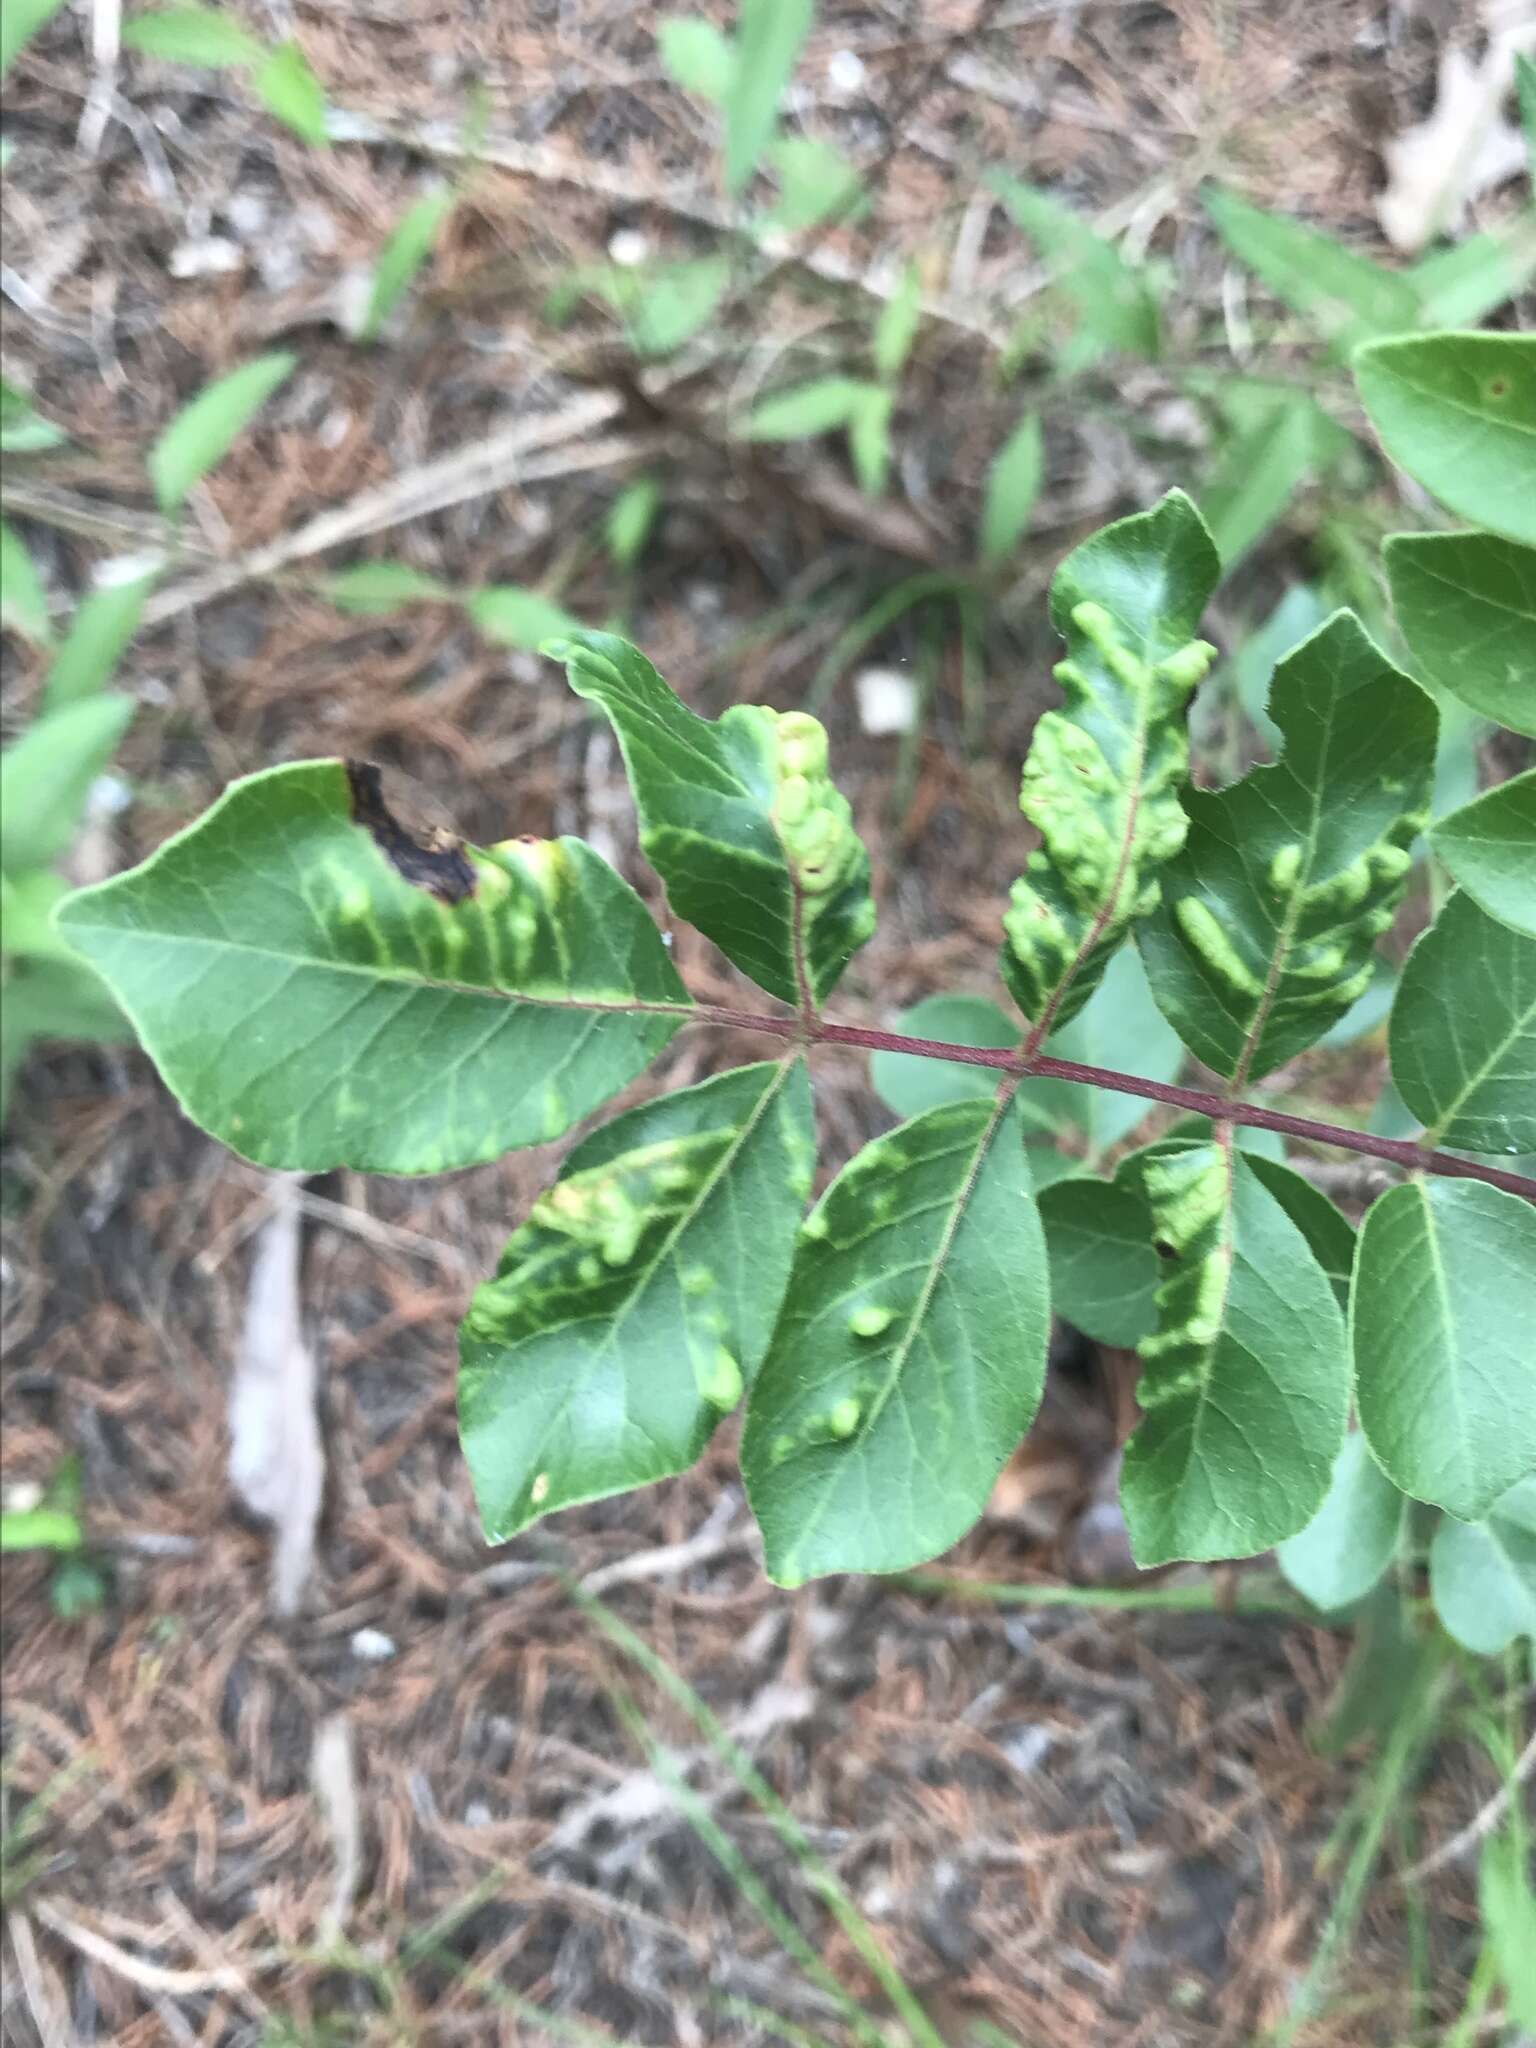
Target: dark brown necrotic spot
(436,862)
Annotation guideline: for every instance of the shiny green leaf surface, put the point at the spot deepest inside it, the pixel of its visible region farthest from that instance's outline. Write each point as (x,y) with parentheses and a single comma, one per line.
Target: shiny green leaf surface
(1442,1319)
(1490,848)
(909,1355)
(1101,779)
(1466,603)
(1270,914)
(1458,411)
(631,1310)
(739,818)
(1352,1539)
(319,989)
(1245,1387)
(1482,1575)
(1463,1031)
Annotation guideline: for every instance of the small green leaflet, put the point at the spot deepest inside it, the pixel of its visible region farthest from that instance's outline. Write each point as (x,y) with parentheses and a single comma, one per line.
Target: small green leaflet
(46,777)
(1458,411)
(698,56)
(313,1007)
(1353,1537)
(1463,1031)
(1270,914)
(1482,1575)
(23,601)
(804,410)
(101,628)
(203,431)
(1506,1896)
(1115,306)
(1443,1327)
(631,1309)
(19,23)
(739,818)
(1466,603)
(1260,470)
(203,36)
(1102,776)
(1328,1233)
(909,1355)
(1013,484)
(1245,1388)
(1490,848)
(768,39)
(1346,297)
(289,89)
(410,244)
(375,589)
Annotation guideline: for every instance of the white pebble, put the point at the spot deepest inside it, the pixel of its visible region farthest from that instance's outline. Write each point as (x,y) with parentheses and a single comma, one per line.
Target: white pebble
(887,700)
(373,1646)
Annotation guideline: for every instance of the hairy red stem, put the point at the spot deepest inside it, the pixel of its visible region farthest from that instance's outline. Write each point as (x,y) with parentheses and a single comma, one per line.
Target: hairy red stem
(1401,1151)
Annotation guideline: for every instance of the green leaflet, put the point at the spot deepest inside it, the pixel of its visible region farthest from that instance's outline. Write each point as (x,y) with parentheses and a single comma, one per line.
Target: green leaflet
(1329,1234)
(1442,1319)
(1458,411)
(1245,1390)
(1353,1537)
(1483,1574)
(312,1007)
(1102,776)
(739,818)
(1271,912)
(46,777)
(1115,304)
(1490,848)
(1466,603)
(631,1309)
(910,1351)
(1347,298)
(1104,1272)
(1463,1031)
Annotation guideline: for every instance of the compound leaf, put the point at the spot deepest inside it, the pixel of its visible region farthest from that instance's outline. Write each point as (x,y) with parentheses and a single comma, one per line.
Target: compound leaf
(1458,411)
(909,1355)
(1245,1387)
(739,818)
(1442,1317)
(1353,1537)
(1101,779)
(1346,297)
(1490,848)
(1462,1035)
(1483,1574)
(1270,913)
(319,990)
(631,1309)
(1466,603)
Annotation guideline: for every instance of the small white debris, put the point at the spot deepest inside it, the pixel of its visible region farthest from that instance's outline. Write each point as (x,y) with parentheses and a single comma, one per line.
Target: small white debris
(246,212)
(23,1497)
(846,73)
(153,690)
(206,256)
(120,569)
(539,1490)
(109,796)
(477,1814)
(628,247)
(335,427)
(887,700)
(372,1645)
